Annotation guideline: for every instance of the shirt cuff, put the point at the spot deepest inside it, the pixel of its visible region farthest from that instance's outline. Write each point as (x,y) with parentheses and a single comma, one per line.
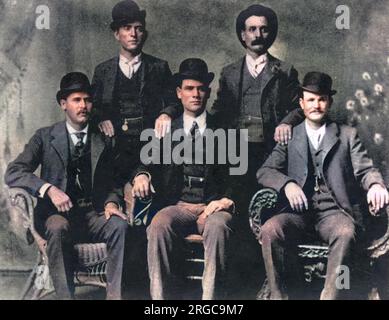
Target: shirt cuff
(152,189)
(114,202)
(140,173)
(379,183)
(43,190)
(233,208)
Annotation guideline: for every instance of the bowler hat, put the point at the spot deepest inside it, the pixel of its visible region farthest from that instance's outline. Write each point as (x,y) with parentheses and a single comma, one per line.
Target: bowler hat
(260,11)
(318,82)
(73,82)
(126,12)
(193,68)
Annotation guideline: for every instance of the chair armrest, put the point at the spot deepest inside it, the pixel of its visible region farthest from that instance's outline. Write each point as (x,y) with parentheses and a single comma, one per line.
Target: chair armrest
(379,247)
(24,203)
(131,204)
(262,207)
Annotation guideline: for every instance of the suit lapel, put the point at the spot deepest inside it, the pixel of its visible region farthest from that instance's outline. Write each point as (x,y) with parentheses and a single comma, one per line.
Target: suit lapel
(60,142)
(330,138)
(146,70)
(110,78)
(178,123)
(237,75)
(97,148)
(268,72)
(174,172)
(300,142)
(209,168)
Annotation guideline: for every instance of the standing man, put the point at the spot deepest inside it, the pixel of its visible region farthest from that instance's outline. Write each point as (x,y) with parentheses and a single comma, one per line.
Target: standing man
(132,89)
(74,186)
(321,172)
(257,93)
(195,197)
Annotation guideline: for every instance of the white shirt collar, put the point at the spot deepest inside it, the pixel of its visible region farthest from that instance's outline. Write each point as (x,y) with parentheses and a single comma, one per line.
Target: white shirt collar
(73,132)
(201,122)
(256,66)
(130,67)
(315,136)
(135,60)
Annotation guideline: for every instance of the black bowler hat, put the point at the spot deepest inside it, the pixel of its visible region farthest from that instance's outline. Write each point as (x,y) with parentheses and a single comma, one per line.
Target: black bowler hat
(126,12)
(73,82)
(260,11)
(318,82)
(193,68)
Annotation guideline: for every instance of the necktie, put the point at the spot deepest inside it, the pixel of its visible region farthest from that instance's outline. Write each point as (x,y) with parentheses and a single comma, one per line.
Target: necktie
(258,66)
(256,70)
(194,129)
(78,149)
(130,65)
(80,143)
(318,140)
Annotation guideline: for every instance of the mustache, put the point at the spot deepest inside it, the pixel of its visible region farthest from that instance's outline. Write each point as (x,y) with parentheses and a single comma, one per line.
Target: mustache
(84,112)
(258,41)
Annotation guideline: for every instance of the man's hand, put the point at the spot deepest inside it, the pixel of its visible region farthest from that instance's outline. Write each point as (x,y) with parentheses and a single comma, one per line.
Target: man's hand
(162,125)
(212,207)
(297,199)
(60,199)
(217,205)
(111,209)
(141,188)
(377,198)
(283,133)
(107,127)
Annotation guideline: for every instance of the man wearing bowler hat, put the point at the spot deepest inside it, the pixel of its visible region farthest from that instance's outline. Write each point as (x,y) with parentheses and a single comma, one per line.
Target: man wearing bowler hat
(194,197)
(132,89)
(74,190)
(257,93)
(322,175)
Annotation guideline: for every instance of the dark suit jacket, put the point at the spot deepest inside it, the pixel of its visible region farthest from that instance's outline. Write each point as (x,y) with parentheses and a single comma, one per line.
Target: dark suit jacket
(168,179)
(346,165)
(156,93)
(49,148)
(279,97)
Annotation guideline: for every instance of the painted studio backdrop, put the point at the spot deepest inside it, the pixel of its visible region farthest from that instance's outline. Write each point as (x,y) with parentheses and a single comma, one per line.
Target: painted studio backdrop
(33,60)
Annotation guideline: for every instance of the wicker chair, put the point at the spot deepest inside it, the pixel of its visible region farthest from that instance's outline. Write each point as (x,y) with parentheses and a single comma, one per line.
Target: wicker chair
(313,255)
(91,257)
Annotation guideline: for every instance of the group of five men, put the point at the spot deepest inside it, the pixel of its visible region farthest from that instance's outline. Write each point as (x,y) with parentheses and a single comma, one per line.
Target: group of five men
(87,160)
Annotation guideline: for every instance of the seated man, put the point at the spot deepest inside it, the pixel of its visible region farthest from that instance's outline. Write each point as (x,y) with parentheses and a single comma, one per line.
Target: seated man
(74,184)
(195,197)
(320,172)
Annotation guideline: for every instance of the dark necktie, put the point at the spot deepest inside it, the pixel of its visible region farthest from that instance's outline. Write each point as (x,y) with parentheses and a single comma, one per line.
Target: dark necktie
(194,130)
(80,144)
(78,149)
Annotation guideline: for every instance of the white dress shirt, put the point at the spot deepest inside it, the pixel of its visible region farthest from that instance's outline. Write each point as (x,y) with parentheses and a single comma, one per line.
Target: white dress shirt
(256,66)
(201,122)
(315,136)
(73,132)
(130,67)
